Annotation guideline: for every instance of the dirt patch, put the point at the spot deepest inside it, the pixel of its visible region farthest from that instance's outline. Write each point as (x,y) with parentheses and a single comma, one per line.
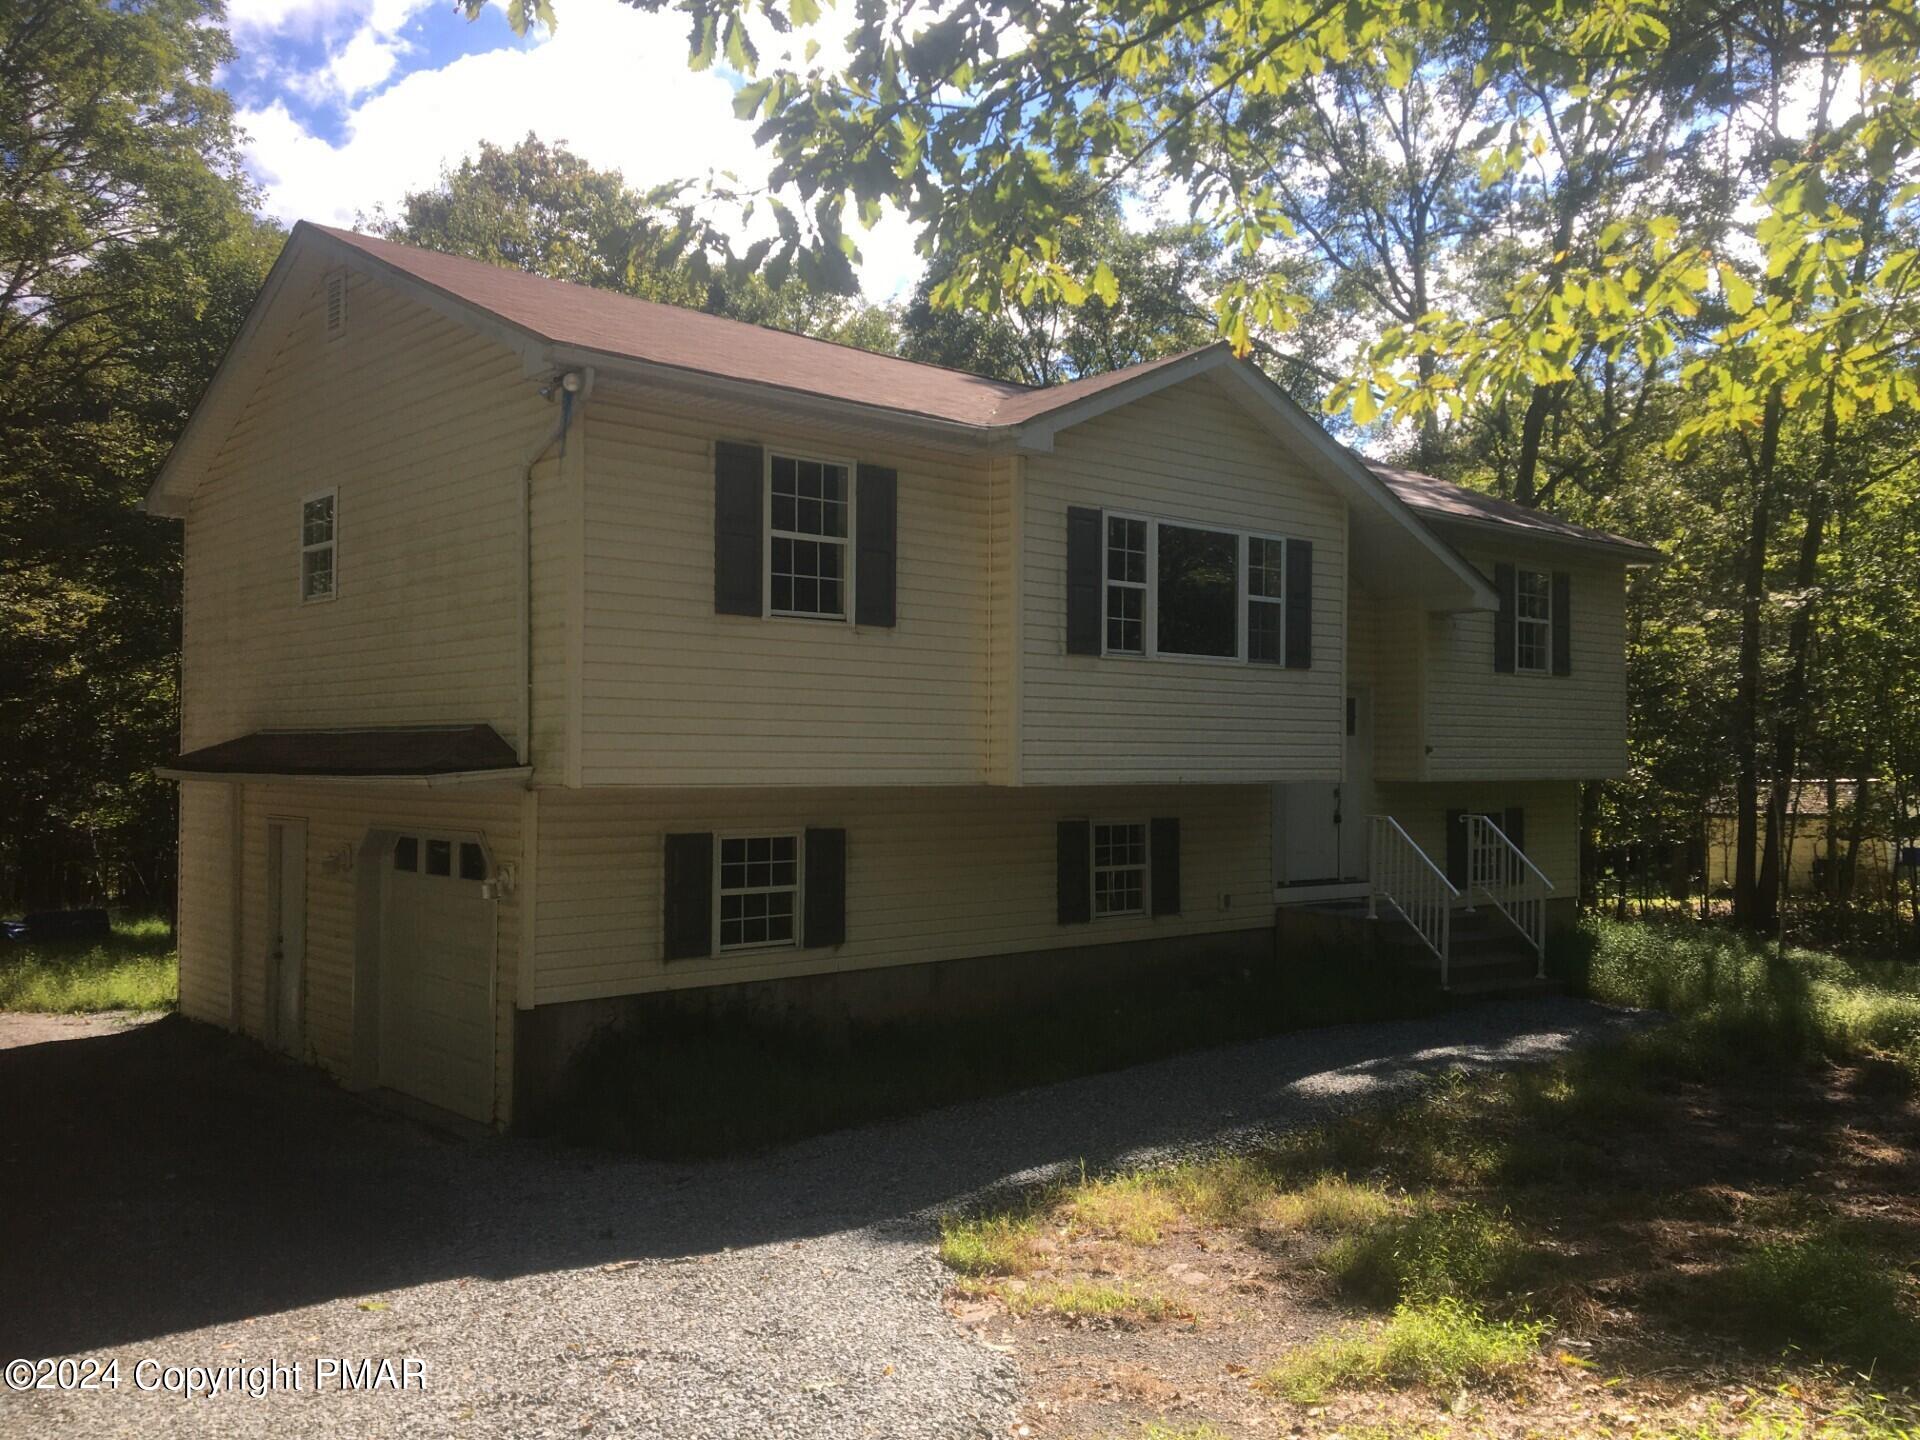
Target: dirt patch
(1642,1210)
(22,1028)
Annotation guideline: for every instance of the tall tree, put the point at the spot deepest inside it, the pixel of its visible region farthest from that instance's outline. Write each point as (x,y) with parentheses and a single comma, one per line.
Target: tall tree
(537,206)
(128,257)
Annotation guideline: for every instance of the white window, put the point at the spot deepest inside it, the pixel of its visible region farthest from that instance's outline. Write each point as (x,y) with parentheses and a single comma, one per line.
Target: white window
(1126,585)
(1193,592)
(1533,621)
(1119,867)
(317,548)
(1266,599)
(810,502)
(758,896)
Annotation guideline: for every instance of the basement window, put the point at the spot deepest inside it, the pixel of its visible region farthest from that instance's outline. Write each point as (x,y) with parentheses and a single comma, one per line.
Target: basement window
(759,889)
(1119,868)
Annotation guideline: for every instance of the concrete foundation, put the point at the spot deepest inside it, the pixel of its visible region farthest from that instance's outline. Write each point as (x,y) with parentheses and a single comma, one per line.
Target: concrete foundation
(546,1038)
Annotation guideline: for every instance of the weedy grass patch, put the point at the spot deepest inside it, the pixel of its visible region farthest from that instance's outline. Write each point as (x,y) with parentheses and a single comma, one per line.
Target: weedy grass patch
(1443,1342)
(134,968)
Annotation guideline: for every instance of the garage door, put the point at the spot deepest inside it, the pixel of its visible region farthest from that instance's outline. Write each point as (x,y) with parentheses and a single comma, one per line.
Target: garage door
(436,973)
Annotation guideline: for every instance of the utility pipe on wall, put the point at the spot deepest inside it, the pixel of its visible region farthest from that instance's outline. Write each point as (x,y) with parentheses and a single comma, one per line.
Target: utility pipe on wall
(568,385)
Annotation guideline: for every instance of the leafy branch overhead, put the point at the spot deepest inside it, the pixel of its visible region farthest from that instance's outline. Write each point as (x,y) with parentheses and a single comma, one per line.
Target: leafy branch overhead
(982,119)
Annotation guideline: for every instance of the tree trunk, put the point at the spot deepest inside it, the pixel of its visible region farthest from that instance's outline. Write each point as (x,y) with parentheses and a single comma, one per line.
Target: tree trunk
(1751,906)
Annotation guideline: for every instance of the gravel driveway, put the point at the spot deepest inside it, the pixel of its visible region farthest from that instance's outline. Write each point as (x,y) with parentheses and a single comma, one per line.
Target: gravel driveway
(170,1193)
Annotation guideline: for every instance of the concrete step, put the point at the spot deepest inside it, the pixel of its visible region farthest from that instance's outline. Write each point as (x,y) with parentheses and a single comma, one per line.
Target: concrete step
(1495,987)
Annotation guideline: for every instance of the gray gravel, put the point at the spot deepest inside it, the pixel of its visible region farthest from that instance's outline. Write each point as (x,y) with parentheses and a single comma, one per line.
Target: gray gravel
(554,1292)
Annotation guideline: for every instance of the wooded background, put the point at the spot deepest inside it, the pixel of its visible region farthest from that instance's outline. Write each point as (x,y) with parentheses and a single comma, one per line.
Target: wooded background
(1577,274)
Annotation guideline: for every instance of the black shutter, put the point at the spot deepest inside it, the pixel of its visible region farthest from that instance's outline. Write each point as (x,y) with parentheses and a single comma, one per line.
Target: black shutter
(1562,623)
(688,901)
(1164,861)
(1457,848)
(1084,547)
(1299,640)
(1514,821)
(1503,622)
(876,498)
(1073,869)
(739,477)
(826,899)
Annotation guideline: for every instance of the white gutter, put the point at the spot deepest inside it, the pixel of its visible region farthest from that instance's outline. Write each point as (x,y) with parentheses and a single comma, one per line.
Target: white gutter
(569,385)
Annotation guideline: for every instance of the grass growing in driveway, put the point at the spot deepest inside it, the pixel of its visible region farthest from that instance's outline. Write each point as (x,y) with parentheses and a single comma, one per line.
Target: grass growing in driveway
(134,968)
(1705,1232)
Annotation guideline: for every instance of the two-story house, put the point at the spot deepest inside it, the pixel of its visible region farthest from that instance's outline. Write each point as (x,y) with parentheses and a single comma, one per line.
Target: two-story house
(547,649)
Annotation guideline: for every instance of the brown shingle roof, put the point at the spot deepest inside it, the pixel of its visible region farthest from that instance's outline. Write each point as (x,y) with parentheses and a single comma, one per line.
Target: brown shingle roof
(1442,500)
(605,321)
(633,329)
(418,750)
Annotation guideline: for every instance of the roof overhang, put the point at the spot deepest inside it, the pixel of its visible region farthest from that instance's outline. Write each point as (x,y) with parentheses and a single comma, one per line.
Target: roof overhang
(1631,553)
(420,755)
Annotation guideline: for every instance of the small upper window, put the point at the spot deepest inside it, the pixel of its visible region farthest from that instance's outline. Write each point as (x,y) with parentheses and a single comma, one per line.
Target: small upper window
(336,302)
(1533,621)
(758,891)
(440,857)
(317,547)
(808,554)
(406,853)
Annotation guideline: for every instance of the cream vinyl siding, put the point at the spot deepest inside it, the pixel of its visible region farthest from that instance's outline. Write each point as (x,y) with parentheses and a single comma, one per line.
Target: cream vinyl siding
(422,426)
(931,875)
(1187,454)
(338,818)
(1483,725)
(203,926)
(555,597)
(1553,820)
(1385,653)
(674,694)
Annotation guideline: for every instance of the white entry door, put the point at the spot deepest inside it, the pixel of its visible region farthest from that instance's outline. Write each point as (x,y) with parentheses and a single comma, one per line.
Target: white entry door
(1320,828)
(286,933)
(436,973)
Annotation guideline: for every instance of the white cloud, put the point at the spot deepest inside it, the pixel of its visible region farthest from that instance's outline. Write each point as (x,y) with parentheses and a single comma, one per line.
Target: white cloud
(612,83)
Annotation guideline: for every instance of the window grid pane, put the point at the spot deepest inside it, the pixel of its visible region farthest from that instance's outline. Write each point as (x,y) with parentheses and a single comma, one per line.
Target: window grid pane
(1533,620)
(759,881)
(1126,585)
(809,551)
(1263,631)
(1119,869)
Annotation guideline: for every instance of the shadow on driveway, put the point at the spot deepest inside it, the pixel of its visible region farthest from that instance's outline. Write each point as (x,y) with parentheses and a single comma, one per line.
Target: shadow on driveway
(173,1176)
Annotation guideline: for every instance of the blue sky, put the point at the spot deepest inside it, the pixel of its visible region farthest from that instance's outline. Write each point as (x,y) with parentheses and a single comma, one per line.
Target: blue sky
(348,104)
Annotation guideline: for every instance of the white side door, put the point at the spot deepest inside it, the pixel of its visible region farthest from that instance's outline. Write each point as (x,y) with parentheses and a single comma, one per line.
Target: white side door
(286,934)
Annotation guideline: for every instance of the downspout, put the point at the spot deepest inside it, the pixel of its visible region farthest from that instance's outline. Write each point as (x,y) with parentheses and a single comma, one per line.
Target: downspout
(567,385)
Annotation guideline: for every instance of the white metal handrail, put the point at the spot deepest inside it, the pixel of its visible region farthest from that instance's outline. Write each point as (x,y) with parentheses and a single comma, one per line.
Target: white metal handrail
(1500,870)
(1400,873)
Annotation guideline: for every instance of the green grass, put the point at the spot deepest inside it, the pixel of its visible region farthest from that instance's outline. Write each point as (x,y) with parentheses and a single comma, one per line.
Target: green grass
(1744,1006)
(1458,1253)
(1826,1295)
(1086,1300)
(135,968)
(1443,1342)
(1332,1205)
(992,1244)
